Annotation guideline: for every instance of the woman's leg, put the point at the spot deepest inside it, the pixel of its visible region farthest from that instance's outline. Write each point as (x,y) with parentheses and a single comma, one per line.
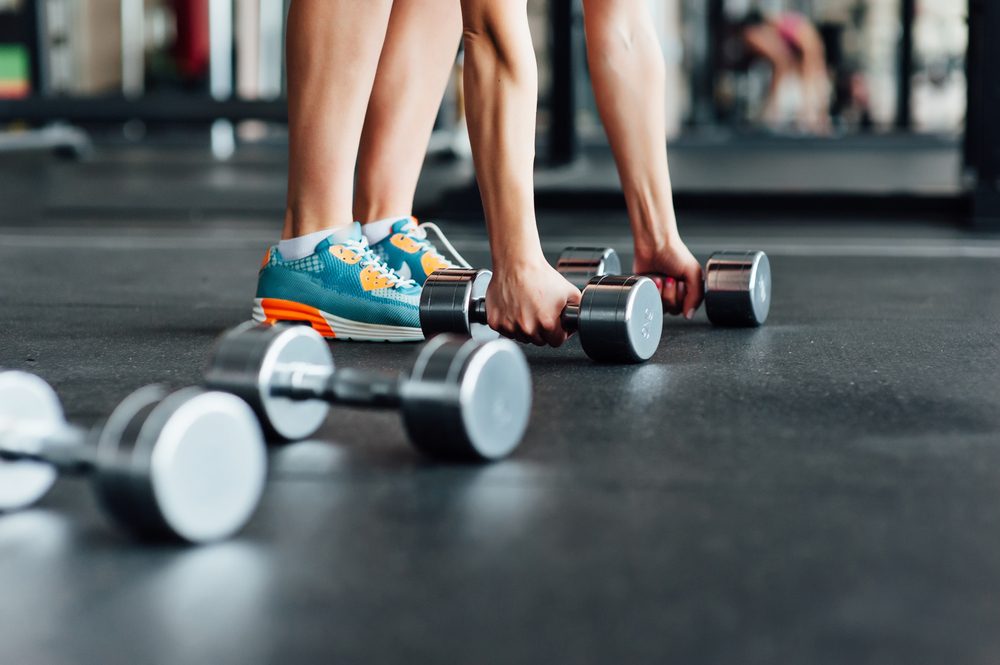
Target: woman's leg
(626,66)
(332,54)
(815,78)
(417,60)
(322,273)
(766,42)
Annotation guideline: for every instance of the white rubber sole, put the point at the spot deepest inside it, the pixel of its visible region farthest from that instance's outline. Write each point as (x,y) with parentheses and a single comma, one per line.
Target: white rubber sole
(271,310)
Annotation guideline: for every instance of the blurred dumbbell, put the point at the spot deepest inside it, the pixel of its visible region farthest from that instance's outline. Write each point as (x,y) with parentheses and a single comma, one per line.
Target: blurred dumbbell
(581,264)
(188,465)
(737,284)
(462,399)
(619,318)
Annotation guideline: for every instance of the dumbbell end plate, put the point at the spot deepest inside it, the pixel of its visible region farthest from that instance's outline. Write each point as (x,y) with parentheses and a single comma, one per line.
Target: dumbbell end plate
(581,264)
(645,319)
(467,400)
(26,400)
(738,288)
(621,319)
(208,463)
(446,303)
(245,362)
(496,399)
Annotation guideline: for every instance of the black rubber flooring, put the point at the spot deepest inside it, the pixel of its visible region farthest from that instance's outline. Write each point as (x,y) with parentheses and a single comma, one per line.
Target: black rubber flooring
(825,489)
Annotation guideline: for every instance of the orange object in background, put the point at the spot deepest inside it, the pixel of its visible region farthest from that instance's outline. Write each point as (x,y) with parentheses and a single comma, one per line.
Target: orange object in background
(15,82)
(192,48)
(14,89)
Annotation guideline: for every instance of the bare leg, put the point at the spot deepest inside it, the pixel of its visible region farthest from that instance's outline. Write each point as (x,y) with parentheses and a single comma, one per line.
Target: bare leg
(765,41)
(332,54)
(417,59)
(626,65)
(816,80)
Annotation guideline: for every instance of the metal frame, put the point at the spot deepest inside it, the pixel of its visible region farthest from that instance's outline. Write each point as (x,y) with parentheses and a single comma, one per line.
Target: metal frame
(904,102)
(974,79)
(37,29)
(173,108)
(133,28)
(982,141)
(564,142)
(714,31)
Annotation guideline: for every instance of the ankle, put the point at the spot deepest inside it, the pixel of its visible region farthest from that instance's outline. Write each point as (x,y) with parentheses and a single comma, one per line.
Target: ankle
(366,211)
(377,230)
(300,221)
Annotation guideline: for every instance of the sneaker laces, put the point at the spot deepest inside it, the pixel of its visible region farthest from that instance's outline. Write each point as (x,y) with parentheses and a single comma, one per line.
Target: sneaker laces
(419,232)
(372,260)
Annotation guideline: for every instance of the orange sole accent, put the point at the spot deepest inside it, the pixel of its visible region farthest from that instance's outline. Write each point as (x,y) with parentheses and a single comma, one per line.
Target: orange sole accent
(288,310)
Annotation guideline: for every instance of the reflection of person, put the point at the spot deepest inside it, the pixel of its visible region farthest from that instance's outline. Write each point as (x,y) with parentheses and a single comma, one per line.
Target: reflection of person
(369,75)
(793,47)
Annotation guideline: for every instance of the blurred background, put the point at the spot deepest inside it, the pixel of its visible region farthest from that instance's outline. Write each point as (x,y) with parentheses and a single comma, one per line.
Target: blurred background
(868,102)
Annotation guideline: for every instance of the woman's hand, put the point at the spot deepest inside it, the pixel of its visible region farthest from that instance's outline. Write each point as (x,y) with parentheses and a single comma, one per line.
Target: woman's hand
(525,302)
(677,273)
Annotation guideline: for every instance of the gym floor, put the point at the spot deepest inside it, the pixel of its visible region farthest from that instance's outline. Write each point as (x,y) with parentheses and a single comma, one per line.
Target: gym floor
(824,489)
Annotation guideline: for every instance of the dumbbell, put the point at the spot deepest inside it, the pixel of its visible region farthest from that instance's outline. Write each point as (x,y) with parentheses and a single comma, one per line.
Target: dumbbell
(189,465)
(737,284)
(462,399)
(619,318)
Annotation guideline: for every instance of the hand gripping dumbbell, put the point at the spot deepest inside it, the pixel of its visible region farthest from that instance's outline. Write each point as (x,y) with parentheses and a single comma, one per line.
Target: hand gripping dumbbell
(619,318)
(461,400)
(188,465)
(737,284)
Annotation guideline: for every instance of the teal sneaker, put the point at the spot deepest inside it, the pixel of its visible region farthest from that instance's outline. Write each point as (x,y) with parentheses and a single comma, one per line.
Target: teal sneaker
(343,290)
(408,251)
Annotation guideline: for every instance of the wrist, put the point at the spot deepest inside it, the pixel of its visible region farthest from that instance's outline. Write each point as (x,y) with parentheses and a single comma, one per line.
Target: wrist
(651,245)
(509,259)
(654,227)
(515,246)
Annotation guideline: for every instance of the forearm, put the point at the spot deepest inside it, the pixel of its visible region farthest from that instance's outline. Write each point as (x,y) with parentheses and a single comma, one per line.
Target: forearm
(501,88)
(627,69)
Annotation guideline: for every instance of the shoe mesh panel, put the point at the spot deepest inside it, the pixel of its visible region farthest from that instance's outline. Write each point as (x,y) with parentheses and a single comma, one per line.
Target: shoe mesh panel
(327,283)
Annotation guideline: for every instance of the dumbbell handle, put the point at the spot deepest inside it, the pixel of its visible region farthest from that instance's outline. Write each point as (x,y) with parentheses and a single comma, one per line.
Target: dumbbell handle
(570,315)
(351,387)
(64,447)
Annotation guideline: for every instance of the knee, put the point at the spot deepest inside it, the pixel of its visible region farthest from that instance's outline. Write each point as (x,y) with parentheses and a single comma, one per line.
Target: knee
(497,33)
(609,26)
(620,31)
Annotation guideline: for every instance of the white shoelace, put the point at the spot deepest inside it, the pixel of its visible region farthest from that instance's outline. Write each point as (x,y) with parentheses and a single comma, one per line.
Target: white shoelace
(372,260)
(419,231)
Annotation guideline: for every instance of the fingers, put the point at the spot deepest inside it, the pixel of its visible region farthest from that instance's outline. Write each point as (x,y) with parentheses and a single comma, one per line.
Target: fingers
(536,337)
(531,316)
(546,331)
(505,326)
(672,302)
(553,333)
(669,293)
(695,293)
(524,331)
(681,296)
(521,337)
(519,333)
